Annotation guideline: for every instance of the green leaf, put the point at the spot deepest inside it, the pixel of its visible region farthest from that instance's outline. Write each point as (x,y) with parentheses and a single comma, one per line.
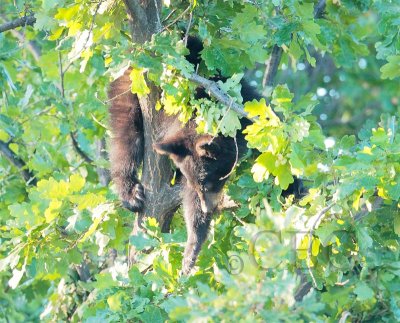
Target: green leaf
(230,124)
(326,233)
(363,291)
(259,109)
(379,137)
(52,211)
(139,85)
(67,14)
(396,224)
(142,241)
(283,176)
(76,182)
(115,301)
(391,69)
(364,240)
(152,314)
(263,166)
(104,281)
(282,98)
(310,59)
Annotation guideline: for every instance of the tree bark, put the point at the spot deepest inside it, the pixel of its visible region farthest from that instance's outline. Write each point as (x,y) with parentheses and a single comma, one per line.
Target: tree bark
(19,22)
(162,199)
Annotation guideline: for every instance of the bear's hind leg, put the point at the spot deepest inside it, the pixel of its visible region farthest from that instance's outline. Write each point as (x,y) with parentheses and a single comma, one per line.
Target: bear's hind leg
(126,153)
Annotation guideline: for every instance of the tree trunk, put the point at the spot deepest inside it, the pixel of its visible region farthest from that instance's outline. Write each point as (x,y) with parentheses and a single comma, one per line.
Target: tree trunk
(162,200)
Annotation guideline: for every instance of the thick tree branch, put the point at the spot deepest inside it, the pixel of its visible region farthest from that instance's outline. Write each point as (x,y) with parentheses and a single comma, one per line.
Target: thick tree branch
(137,11)
(276,54)
(213,89)
(20,22)
(144,18)
(319,9)
(17,162)
(30,45)
(272,66)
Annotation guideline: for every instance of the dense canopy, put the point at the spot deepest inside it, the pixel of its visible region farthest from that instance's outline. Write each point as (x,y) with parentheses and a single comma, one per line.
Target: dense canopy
(329,73)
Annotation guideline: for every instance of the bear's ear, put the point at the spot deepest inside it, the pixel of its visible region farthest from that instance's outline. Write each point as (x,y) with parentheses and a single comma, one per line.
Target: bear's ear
(207,147)
(176,148)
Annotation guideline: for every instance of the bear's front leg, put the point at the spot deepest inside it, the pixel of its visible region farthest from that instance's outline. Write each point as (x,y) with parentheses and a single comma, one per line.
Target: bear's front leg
(197,225)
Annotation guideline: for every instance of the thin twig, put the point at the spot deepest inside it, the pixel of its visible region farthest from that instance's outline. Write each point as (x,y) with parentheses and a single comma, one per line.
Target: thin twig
(28,176)
(79,150)
(62,89)
(344,317)
(169,15)
(159,25)
(92,22)
(75,144)
(239,220)
(236,160)
(310,235)
(87,38)
(115,97)
(101,152)
(188,27)
(19,22)
(176,20)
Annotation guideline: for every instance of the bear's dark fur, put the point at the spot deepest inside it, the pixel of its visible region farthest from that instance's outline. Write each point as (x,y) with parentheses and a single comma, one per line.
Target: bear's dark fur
(204,161)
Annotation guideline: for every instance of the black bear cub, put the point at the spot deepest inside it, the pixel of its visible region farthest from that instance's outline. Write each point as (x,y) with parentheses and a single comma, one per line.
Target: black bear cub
(204,161)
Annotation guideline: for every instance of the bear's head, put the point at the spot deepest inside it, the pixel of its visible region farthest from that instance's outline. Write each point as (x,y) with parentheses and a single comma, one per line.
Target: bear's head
(205,161)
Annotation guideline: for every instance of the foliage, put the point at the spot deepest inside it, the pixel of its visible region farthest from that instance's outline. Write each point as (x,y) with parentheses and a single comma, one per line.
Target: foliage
(64,241)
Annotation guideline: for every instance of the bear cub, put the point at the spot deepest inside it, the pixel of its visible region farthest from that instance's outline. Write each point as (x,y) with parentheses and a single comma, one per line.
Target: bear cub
(204,161)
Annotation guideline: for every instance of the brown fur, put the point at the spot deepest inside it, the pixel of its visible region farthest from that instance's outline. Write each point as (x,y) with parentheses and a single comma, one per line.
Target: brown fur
(126,143)
(204,161)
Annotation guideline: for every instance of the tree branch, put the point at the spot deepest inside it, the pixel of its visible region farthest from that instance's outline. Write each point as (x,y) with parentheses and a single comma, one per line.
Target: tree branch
(136,11)
(19,22)
(319,9)
(30,45)
(272,66)
(144,18)
(305,285)
(79,150)
(364,210)
(17,162)
(276,54)
(101,152)
(213,89)
(318,219)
